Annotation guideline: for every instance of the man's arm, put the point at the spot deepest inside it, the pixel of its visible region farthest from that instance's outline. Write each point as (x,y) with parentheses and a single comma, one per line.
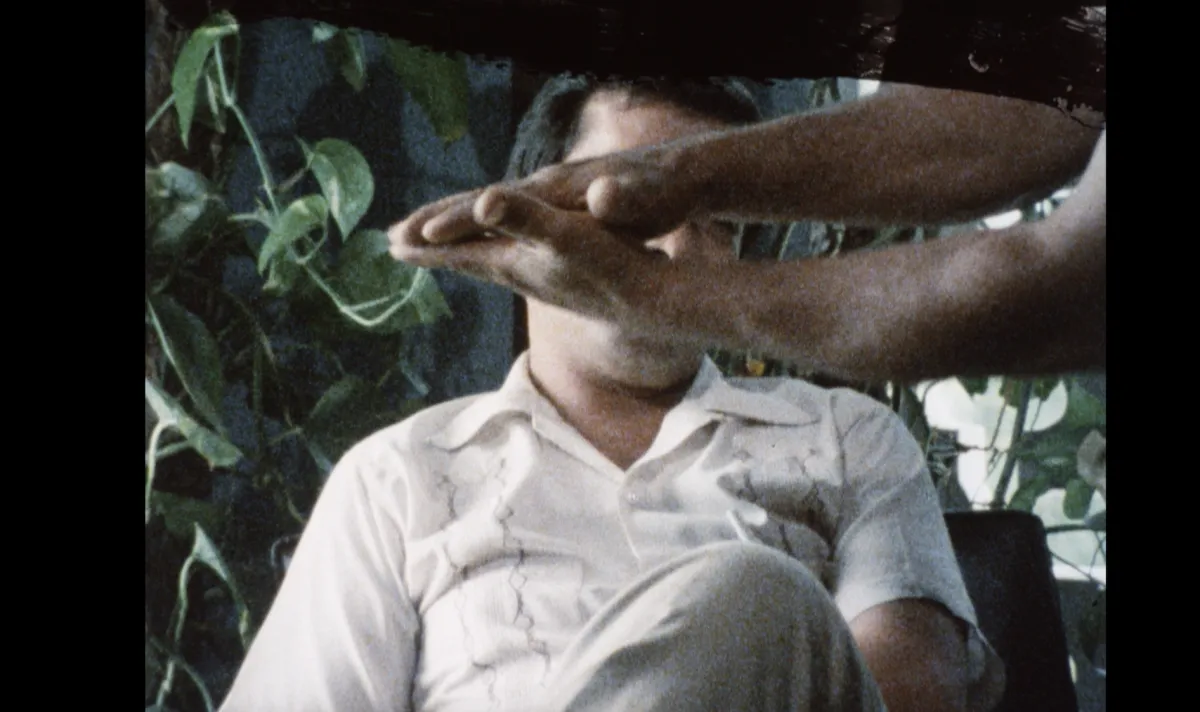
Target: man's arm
(917,653)
(908,155)
(1026,300)
(895,574)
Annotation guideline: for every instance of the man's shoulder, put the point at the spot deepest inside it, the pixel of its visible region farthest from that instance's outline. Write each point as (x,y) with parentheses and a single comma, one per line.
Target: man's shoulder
(844,405)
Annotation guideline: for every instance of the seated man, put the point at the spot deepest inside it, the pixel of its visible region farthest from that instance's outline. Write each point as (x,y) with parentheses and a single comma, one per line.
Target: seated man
(621,528)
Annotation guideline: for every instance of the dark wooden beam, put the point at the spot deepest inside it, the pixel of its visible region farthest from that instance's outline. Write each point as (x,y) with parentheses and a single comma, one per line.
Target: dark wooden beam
(1050,51)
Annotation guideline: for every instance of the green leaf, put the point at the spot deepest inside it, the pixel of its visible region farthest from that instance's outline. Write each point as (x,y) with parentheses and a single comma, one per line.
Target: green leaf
(181,209)
(323,32)
(1084,410)
(1012,391)
(282,277)
(1040,388)
(1043,387)
(193,352)
(212,92)
(181,514)
(974,386)
(414,379)
(347,412)
(1055,471)
(348,54)
(366,272)
(218,451)
(1054,446)
(1078,499)
(205,552)
(345,180)
(437,82)
(1027,494)
(190,67)
(299,219)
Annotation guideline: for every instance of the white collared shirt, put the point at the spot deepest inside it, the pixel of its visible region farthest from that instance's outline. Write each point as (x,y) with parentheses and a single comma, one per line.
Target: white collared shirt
(452,556)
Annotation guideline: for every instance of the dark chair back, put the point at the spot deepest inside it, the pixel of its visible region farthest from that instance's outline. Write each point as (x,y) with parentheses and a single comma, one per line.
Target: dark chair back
(1007,569)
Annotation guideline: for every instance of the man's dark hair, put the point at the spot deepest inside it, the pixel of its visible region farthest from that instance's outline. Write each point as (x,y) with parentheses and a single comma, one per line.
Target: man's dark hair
(550,127)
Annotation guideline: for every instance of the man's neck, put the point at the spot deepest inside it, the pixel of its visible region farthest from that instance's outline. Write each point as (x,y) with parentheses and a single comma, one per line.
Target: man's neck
(618,412)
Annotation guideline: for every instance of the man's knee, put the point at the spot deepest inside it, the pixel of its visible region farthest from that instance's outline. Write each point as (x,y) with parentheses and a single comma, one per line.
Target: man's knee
(757,579)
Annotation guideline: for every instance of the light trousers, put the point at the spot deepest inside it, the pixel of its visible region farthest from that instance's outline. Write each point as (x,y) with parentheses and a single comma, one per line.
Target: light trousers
(729,627)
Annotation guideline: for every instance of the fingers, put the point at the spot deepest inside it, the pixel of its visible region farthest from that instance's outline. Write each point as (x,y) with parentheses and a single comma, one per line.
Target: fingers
(444,221)
(564,185)
(612,191)
(455,224)
(489,260)
(519,215)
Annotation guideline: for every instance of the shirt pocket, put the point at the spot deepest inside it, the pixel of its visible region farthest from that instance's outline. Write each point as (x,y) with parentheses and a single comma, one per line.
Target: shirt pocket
(785,505)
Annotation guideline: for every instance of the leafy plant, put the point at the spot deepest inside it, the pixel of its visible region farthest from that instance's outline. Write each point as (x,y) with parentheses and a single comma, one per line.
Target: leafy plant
(249,397)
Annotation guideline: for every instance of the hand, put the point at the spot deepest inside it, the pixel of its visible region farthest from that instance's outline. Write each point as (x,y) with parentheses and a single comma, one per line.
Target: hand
(562,257)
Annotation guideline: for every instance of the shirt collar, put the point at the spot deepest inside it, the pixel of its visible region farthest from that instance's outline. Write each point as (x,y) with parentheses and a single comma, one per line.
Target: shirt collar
(754,400)
(711,395)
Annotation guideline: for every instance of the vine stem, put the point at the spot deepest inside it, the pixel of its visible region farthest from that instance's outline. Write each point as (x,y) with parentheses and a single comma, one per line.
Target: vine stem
(159,112)
(1078,570)
(351,311)
(151,460)
(1010,463)
(175,659)
(259,157)
(230,102)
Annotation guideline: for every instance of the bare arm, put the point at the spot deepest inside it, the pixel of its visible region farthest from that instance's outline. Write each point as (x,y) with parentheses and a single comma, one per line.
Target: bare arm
(917,653)
(1030,299)
(908,155)
(1026,300)
(895,576)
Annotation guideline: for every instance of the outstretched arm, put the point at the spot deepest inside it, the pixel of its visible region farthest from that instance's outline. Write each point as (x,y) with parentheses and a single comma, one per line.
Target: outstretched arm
(1026,300)
(907,155)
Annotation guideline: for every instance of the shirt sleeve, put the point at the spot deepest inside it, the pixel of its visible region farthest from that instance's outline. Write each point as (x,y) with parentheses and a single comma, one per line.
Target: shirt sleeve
(892,541)
(341,635)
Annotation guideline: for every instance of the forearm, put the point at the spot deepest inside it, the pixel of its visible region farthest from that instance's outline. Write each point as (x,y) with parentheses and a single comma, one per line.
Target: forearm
(916,653)
(1006,302)
(907,156)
